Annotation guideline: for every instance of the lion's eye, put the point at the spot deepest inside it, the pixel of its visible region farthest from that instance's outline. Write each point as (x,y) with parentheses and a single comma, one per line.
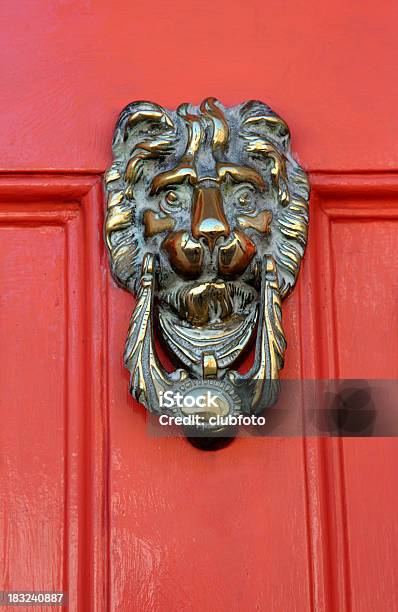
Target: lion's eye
(245,198)
(171,198)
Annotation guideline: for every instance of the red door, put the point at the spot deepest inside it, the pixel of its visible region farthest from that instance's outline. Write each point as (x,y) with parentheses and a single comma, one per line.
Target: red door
(90,503)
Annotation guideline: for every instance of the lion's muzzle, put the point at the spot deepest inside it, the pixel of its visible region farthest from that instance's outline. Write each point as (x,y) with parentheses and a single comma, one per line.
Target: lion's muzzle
(209,229)
(208,218)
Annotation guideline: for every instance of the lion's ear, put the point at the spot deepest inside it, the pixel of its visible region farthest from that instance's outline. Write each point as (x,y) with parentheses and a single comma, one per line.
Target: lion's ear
(144,132)
(266,136)
(260,119)
(140,120)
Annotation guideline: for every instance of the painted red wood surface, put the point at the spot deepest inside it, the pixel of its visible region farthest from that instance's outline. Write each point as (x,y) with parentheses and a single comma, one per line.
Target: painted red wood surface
(88,502)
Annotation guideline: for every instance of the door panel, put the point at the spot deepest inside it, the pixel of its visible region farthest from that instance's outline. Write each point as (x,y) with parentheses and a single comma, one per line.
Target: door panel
(366,294)
(351,261)
(32,377)
(52,401)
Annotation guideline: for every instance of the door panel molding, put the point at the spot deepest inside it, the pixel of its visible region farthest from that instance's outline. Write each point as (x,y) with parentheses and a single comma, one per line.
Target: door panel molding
(334,505)
(74,203)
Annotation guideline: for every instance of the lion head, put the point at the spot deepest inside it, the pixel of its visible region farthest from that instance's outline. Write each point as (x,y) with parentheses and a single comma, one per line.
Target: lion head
(209,192)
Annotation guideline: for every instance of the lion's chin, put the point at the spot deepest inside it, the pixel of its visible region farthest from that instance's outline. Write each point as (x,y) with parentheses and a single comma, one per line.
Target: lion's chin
(214,317)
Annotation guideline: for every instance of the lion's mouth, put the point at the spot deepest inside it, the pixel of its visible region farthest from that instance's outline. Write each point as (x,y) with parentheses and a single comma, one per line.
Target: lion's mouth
(213,316)
(216,317)
(211,302)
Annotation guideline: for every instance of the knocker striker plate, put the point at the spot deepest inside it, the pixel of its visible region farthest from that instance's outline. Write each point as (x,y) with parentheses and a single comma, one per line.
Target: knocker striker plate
(206,223)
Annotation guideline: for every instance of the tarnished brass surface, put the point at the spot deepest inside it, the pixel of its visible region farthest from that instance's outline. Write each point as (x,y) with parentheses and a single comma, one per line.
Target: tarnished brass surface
(207,218)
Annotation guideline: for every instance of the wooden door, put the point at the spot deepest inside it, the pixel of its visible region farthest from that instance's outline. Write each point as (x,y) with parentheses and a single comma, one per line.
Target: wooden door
(91,504)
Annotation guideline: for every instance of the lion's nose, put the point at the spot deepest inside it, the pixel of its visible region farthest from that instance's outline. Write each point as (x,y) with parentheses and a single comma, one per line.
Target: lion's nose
(208,218)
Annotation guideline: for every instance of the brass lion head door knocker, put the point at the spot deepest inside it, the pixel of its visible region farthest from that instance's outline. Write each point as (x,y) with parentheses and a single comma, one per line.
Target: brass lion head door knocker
(207,216)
